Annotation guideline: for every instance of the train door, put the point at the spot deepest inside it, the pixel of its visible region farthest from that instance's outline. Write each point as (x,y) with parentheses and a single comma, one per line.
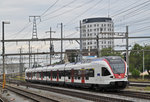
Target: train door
(37,75)
(82,75)
(51,75)
(72,75)
(31,75)
(41,75)
(57,75)
(28,74)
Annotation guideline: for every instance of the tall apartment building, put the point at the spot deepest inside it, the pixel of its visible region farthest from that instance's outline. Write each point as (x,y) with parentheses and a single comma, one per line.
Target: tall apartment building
(91,27)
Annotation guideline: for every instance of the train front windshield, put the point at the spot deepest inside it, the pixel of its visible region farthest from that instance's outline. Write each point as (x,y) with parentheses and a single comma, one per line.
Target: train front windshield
(117,65)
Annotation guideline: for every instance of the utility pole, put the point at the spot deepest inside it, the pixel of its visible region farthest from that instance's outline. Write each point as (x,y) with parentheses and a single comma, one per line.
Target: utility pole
(61,42)
(34,31)
(98,50)
(20,61)
(34,64)
(3,52)
(37,57)
(50,45)
(127,53)
(143,64)
(80,43)
(29,55)
(97,45)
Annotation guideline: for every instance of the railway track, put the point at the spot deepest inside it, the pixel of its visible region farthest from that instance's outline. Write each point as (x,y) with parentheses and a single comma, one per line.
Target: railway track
(132,94)
(1,100)
(29,94)
(81,95)
(140,95)
(140,84)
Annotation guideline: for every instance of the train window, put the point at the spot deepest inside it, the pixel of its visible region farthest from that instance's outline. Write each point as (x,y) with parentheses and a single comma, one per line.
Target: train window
(69,77)
(39,75)
(75,73)
(91,73)
(105,71)
(49,74)
(78,78)
(79,73)
(44,74)
(86,78)
(59,77)
(68,73)
(86,73)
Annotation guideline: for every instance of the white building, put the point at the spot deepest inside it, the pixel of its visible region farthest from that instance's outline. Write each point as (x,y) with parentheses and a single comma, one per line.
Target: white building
(91,27)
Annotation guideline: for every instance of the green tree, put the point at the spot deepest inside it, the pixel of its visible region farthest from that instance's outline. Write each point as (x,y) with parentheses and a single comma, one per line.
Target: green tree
(135,58)
(109,52)
(147,58)
(135,73)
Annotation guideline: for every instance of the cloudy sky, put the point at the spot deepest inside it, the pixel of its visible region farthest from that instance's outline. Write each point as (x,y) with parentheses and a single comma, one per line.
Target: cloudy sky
(134,13)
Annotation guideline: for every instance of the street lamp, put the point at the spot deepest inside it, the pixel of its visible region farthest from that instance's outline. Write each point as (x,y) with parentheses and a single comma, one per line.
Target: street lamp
(3,52)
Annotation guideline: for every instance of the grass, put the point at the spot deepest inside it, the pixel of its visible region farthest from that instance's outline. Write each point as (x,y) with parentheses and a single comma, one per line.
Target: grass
(139,80)
(147,89)
(139,88)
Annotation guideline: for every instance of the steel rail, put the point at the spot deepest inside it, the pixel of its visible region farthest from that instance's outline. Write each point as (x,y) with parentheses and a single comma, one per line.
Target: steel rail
(33,96)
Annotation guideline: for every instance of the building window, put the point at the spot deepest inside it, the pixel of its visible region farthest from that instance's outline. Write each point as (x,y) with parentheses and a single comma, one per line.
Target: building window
(94,29)
(97,25)
(104,29)
(90,25)
(90,30)
(94,25)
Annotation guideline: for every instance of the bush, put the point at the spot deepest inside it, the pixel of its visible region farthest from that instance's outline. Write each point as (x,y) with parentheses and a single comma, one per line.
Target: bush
(135,73)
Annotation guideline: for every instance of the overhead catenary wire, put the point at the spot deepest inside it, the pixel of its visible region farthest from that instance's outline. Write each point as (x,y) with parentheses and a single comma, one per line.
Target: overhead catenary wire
(68,11)
(60,8)
(89,8)
(130,8)
(49,8)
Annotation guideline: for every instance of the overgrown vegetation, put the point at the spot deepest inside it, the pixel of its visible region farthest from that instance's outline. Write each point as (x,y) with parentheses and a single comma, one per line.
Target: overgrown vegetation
(136,59)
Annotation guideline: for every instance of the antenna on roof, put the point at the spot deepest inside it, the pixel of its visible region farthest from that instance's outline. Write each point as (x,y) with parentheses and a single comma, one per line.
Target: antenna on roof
(108,7)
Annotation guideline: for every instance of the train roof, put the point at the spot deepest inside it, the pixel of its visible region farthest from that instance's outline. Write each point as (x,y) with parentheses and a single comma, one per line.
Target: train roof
(61,66)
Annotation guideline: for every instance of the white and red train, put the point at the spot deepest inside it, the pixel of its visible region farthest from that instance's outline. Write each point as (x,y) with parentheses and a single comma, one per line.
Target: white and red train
(102,73)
